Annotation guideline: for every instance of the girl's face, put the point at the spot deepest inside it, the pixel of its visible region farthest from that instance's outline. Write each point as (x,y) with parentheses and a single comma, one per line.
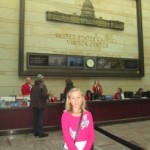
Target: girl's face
(76,99)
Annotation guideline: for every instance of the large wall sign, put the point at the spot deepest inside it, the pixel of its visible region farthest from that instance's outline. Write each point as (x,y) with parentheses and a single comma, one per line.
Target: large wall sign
(73,39)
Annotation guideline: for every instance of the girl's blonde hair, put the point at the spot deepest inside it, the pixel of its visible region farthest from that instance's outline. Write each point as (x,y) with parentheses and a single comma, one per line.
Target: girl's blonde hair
(68,106)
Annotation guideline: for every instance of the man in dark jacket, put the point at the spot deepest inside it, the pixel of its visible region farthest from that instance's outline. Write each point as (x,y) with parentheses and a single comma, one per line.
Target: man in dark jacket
(68,87)
(39,95)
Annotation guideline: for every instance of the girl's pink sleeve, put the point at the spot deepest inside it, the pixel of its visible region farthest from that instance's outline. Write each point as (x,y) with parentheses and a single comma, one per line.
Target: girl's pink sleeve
(90,139)
(66,134)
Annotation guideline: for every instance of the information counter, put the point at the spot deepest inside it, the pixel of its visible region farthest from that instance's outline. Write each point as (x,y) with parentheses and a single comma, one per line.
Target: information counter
(20,118)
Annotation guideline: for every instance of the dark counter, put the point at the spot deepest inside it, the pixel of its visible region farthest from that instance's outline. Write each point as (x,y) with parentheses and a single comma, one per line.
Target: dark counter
(19,118)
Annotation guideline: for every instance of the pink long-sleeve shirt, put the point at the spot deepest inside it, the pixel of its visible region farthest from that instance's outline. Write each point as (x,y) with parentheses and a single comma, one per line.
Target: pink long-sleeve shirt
(86,130)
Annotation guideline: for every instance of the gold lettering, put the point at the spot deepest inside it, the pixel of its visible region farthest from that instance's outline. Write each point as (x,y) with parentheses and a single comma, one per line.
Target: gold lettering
(89,41)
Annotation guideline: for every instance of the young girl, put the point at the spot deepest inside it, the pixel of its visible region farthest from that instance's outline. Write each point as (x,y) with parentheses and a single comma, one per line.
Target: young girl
(75,105)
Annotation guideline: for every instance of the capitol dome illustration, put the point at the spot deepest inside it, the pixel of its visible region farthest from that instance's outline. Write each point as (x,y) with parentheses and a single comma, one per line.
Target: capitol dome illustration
(87,17)
(87,10)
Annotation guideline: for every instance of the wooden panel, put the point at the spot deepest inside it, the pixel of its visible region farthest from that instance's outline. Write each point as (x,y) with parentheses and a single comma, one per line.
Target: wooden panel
(53,114)
(15,118)
(126,109)
(102,111)
(144,108)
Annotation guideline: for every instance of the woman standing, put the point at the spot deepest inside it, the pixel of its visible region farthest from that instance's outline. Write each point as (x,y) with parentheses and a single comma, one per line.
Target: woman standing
(75,106)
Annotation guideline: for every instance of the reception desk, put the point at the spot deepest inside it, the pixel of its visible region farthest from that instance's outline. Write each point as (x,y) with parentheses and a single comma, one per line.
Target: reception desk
(20,118)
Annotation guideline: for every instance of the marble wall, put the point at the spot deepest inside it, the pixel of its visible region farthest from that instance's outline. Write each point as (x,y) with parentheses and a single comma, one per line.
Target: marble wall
(41,36)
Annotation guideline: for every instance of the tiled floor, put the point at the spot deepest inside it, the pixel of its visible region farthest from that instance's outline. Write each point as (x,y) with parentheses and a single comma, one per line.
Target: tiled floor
(137,132)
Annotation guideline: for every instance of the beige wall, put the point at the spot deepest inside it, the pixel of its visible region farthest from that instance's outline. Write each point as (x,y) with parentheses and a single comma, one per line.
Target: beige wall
(37,27)
(41,35)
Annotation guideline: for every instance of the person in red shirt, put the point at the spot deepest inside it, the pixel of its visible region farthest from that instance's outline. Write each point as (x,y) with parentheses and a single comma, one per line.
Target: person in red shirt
(97,88)
(26,88)
(52,97)
(118,95)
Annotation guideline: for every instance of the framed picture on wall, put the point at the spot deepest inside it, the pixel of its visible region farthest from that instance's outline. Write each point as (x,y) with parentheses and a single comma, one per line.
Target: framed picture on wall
(57,61)
(75,62)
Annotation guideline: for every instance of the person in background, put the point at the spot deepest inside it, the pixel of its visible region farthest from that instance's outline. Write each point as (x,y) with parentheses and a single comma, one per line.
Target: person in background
(139,93)
(97,88)
(88,95)
(26,88)
(68,87)
(74,107)
(52,97)
(119,94)
(39,96)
